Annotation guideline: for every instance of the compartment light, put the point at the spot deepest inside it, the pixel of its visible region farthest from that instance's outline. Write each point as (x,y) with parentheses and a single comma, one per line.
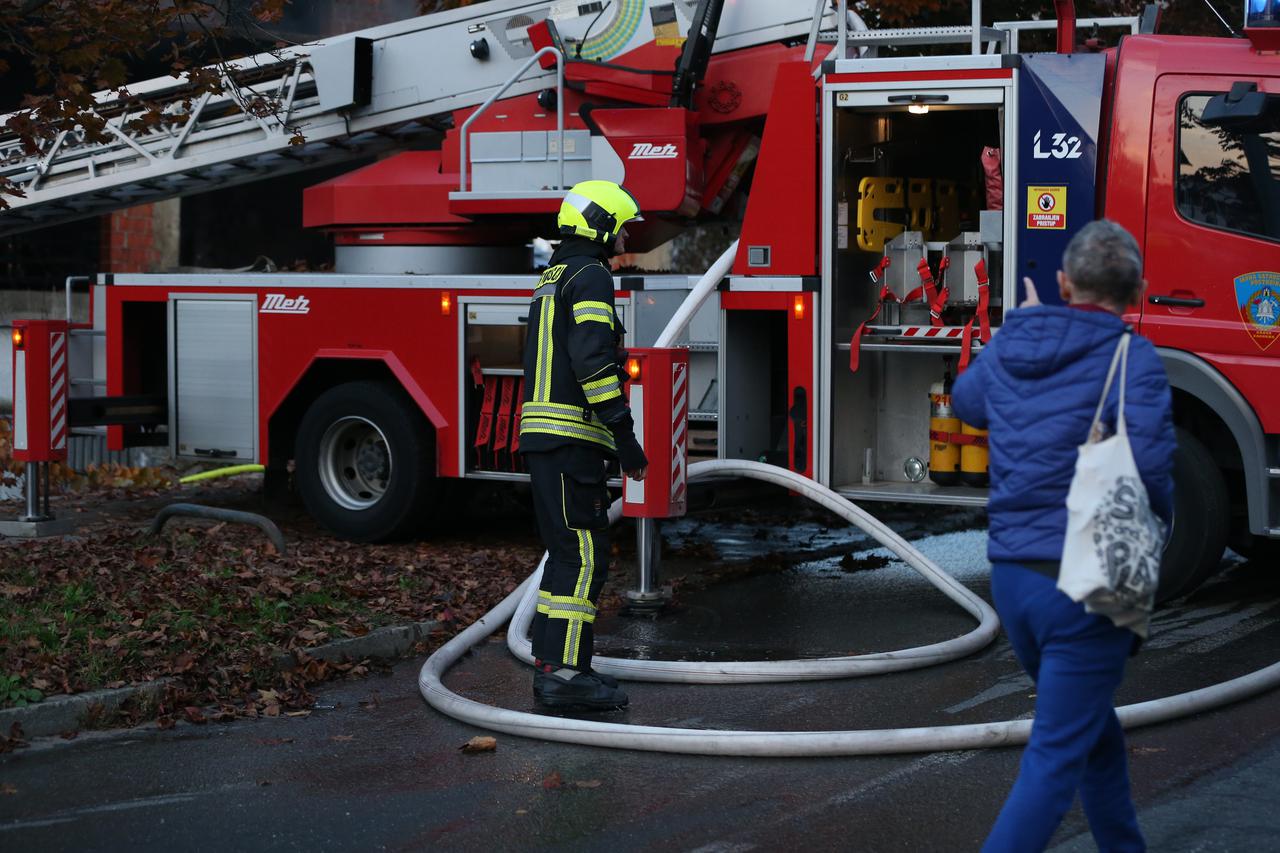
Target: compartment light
(19,338)
(797,308)
(446,303)
(633,368)
(918,109)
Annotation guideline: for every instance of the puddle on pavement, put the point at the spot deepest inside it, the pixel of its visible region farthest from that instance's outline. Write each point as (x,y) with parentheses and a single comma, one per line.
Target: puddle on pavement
(745,592)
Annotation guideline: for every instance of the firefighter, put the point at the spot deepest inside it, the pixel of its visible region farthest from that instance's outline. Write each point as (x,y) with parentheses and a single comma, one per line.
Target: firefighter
(573,419)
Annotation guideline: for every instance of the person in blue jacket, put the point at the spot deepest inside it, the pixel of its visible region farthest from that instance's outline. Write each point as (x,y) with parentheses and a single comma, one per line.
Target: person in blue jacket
(1035,387)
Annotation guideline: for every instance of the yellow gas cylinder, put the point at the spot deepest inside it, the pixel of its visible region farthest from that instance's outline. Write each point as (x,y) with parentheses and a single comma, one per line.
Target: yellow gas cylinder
(944,456)
(974,456)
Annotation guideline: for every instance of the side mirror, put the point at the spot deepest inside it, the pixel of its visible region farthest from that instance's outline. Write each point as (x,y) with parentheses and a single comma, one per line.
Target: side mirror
(1239,109)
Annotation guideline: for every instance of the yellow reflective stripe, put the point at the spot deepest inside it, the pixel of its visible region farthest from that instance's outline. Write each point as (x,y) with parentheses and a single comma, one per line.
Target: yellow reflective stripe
(591,310)
(551,345)
(601,396)
(586,559)
(531,407)
(567,613)
(601,389)
(568,431)
(574,425)
(542,366)
(543,595)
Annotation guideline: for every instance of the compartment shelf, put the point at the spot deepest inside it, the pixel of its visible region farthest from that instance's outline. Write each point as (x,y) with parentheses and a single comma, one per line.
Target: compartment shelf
(924,492)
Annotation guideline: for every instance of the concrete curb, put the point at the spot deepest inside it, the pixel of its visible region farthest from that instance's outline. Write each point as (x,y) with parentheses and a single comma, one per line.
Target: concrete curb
(388,643)
(57,714)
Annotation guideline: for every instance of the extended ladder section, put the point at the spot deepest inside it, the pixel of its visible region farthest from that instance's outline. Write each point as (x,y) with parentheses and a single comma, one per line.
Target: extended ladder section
(336,100)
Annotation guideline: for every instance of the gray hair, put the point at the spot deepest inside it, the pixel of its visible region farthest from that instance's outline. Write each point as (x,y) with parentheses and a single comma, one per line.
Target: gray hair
(1103,260)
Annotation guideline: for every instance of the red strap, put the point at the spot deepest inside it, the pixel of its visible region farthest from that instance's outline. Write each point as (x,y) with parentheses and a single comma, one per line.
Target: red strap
(984,301)
(936,304)
(959,438)
(966,347)
(515,425)
(855,345)
(918,293)
(504,416)
(485,427)
(477,374)
(879,270)
(926,277)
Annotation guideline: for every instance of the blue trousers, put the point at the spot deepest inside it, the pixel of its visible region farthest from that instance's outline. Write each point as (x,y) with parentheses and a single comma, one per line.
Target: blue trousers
(1077,661)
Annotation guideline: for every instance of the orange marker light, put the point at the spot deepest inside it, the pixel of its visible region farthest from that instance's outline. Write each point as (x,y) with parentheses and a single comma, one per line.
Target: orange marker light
(797,308)
(19,338)
(446,304)
(633,368)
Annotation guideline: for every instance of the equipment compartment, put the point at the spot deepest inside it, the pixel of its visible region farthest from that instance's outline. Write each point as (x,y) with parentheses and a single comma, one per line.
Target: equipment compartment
(917,266)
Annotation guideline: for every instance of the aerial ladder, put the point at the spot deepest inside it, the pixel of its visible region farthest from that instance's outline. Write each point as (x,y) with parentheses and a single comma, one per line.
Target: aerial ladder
(363,93)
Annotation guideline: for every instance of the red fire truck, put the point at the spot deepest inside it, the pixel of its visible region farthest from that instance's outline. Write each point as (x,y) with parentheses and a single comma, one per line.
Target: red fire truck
(892,186)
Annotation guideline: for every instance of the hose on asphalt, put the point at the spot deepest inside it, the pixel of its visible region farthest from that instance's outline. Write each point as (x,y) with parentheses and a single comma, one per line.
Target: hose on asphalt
(785,743)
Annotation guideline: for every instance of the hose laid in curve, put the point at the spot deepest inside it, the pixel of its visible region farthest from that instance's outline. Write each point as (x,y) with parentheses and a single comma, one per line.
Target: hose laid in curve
(687,672)
(775,744)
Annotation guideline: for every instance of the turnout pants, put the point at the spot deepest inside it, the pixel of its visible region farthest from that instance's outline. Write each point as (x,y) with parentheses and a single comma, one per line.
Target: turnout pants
(1077,661)
(571,500)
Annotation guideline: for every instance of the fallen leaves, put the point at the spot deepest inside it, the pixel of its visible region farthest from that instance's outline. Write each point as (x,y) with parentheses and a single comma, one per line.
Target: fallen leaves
(480,743)
(215,609)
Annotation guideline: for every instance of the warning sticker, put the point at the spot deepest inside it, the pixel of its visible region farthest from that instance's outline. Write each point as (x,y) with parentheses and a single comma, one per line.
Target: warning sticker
(1047,207)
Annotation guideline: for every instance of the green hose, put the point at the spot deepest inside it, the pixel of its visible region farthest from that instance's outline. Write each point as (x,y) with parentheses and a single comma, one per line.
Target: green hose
(229,471)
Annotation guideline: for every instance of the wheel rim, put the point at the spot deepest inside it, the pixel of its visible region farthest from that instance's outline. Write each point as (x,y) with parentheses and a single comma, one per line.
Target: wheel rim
(355,463)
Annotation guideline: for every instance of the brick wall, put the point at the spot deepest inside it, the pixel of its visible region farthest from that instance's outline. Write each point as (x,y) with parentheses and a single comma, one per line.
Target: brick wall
(140,239)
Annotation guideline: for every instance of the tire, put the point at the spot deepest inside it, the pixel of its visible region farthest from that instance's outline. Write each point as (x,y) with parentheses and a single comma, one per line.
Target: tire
(366,462)
(1201,519)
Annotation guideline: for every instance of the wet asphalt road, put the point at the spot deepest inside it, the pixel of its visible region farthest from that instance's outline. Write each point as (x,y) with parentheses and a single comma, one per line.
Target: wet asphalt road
(375,768)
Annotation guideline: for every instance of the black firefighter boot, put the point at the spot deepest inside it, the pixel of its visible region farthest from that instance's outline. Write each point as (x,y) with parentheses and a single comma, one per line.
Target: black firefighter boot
(606,680)
(563,687)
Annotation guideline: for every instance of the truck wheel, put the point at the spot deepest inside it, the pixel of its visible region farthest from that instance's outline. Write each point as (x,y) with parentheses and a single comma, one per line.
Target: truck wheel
(1201,515)
(365,461)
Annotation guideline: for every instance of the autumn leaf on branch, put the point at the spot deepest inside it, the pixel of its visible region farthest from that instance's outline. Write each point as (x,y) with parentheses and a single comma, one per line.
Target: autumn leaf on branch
(79,54)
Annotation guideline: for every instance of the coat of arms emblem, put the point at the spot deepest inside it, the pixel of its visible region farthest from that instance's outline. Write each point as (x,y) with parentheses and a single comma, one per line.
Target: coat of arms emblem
(1258,295)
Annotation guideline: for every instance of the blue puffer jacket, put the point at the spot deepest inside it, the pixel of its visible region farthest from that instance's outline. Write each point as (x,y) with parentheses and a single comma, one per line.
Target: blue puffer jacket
(1035,386)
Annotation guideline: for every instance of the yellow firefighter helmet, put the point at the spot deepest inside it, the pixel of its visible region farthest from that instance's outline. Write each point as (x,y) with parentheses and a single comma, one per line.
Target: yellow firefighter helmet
(597,210)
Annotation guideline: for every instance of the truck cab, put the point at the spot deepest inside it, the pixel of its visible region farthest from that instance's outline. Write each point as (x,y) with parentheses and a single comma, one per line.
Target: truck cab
(1192,168)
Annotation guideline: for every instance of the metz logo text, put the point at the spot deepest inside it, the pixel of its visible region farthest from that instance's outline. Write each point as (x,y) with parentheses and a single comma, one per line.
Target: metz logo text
(649,151)
(278,303)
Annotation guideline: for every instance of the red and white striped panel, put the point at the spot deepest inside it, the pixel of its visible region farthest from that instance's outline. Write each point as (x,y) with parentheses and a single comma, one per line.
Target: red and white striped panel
(931,332)
(57,391)
(679,429)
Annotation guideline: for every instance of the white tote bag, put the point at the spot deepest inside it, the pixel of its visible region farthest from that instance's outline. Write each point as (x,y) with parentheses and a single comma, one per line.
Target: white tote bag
(1111,554)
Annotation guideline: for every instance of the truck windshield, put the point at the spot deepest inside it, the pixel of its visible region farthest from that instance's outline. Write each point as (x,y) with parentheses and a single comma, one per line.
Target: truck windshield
(1229,178)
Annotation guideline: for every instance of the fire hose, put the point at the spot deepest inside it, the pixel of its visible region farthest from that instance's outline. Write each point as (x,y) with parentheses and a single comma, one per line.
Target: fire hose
(519,606)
